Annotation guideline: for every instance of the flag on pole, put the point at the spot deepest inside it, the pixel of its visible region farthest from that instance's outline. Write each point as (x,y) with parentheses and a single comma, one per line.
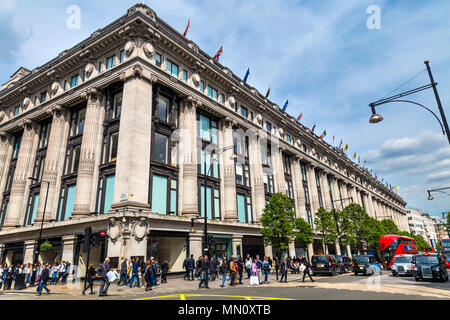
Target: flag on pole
(359,159)
(354,156)
(382,179)
(323,134)
(300,116)
(395,187)
(333,139)
(346,147)
(340,144)
(246,75)
(365,162)
(268,92)
(187,28)
(314,126)
(217,55)
(285,105)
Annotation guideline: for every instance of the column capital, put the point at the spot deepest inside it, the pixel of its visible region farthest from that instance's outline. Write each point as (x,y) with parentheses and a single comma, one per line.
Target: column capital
(138,72)
(229,122)
(28,124)
(192,102)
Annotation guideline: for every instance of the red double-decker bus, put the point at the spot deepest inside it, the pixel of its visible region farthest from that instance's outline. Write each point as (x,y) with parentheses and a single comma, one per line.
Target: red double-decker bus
(392,245)
(445,250)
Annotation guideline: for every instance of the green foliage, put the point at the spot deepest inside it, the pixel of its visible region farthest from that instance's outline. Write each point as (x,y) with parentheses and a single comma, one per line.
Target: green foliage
(389,227)
(326,226)
(46,245)
(356,227)
(279,224)
(420,242)
(447,224)
(278,221)
(375,231)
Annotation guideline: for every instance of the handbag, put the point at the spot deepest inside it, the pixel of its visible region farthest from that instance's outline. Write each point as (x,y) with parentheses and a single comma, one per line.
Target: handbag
(111,276)
(302,268)
(254,280)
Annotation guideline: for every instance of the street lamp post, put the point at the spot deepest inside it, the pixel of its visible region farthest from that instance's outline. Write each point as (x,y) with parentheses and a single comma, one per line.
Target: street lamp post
(38,249)
(335,217)
(430,197)
(375,117)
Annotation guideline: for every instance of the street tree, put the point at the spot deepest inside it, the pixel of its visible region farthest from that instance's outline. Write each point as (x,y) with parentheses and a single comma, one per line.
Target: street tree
(356,227)
(389,227)
(279,224)
(326,226)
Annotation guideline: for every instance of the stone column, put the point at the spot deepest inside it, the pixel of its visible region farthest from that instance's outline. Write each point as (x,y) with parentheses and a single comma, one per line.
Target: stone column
(195,244)
(376,208)
(256,176)
(278,167)
(345,194)
(370,206)
(229,174)
(85,194)
(349,251)
(359,196)
(68,247)
(336,196)
(5,160)
(292,249)
(268,252)
(310,251)
(354,195)
(54,162)
(314,196)
(338,248)
(30,246)
(325,191)
(236,240)
(299,192)
(188,156)
(133,153)
(24,169)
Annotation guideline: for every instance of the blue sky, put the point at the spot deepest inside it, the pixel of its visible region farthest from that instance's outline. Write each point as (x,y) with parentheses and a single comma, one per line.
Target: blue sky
(318,54)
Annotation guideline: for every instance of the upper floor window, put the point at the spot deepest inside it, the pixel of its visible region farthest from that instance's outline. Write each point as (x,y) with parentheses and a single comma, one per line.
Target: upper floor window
(43,97)
(222,98)
(117,105)
(157,59)
(44,135)
(207,128)
(16,147)
(77,122)
(269,186)
(110,62)
(287,164)
(242,174)
(244,112)
(161,148)
(172,68)
(72,160)
(110,145)
(100,67)
(288,138)
(317,178)
(303,169)
(185,76)
(163,108)
(268,126)
(16,111)
(74,81)
(266,154)
(212,93)
(121,56)
(202,86)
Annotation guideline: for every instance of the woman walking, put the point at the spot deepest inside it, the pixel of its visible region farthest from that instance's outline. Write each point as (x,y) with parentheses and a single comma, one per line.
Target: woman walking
(306,271)
(284,267)
(164,271)
(148,275)
(90,279)
(223,268)
(266,268)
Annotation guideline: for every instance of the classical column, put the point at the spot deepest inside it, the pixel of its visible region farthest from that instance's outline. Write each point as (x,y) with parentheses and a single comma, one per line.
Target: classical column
(68,249)
(24,169)
(338,248)
(370,206)
(90,149)
(188,156)
(292,249)
(236,240)
(133,153)
(195,244)
(5,159)
(359,196)
(325,192)
(336,195)
(256,176)
(345,194)
(268,252)
(310,251)
(30,246)
(278,167)
(314,196)
(54,162)
(354,195)
(349,251)
(229,174)
(299,192)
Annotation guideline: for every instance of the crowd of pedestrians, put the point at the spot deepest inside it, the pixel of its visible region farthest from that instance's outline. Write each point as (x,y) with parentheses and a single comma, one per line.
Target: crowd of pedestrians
(21,276)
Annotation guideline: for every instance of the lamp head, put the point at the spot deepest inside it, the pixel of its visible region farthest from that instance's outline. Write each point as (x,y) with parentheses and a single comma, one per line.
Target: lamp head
(430,197)
(375,117)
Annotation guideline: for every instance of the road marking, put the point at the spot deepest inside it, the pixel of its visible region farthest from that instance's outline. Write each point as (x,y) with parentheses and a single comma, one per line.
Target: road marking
(183,297)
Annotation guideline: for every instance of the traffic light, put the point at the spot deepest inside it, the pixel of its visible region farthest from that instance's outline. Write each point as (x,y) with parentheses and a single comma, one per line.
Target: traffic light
(97,238)
(87,238)
(210,240)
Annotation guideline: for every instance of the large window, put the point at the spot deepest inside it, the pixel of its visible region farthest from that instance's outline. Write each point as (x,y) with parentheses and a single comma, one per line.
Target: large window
(77,121)
(212,202)
(117,105)
(3,210)
(306,190)
(44,135)
(166,110)
(31,210)
(269,186)
(319,191)
(74,81)
(161,148)
(66,202)
(207,128)
(288,176)
(244,112)
(157,59)
(330,191)
(172,68)
(43,97)
(110,62)
(244,208)
(243,190)
(212,93)
(105,193)
(164,194)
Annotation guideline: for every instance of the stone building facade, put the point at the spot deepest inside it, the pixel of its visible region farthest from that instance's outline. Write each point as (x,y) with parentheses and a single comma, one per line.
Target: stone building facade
(120,132)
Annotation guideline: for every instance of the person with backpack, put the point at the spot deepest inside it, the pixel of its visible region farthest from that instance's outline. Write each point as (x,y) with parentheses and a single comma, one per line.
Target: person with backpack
(198,267)
(266,268)
(276,265)
(248,266)
(90,279)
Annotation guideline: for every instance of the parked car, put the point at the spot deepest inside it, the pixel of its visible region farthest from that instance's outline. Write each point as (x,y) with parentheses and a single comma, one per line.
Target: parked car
(430,267)
(324,264)
(344,263)
(364,264)
(403,265)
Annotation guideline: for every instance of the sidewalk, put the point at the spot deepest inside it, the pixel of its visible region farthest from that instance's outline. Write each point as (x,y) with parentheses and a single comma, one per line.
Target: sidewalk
(173,285)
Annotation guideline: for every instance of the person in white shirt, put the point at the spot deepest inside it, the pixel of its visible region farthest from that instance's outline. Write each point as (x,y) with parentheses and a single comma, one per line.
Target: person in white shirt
(61,271)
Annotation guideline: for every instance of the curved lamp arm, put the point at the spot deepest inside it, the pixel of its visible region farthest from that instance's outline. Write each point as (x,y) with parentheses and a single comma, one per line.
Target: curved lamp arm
(442,192)
(420,105)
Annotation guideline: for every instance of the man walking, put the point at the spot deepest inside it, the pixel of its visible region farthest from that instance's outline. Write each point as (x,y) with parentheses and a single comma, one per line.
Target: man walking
(134,273)
(104,284)
(204,272)
(43,280)
(306,271)
(232,269)
(185,267)
(248,266)
(284,267)
(123,272)
(191,266)
(62,269)
(223,267)
(66,273)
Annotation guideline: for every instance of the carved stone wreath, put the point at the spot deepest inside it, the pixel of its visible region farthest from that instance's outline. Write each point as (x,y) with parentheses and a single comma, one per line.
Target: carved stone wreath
(258,119)
(55,88)
(114,229)
(281,132)
(89,69)
(148,49)
(26,103)
(196,79)
(139,229)
(129,47)
(231,101)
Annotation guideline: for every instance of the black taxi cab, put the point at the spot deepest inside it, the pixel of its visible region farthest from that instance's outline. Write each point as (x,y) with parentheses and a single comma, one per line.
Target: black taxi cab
(430,266)
(324,264)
